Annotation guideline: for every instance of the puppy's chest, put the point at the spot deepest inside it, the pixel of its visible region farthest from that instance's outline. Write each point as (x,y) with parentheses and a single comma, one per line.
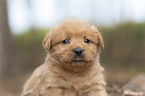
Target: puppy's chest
(72,88)
(80,88)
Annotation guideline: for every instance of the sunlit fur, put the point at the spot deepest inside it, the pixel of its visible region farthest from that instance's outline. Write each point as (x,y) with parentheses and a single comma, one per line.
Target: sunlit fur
(60,75)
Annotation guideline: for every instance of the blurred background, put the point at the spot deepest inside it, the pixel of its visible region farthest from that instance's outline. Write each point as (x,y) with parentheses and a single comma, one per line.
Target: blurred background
(24,23)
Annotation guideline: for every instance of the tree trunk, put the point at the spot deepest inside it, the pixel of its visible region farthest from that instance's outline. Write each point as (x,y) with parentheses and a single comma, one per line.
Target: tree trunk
(6,43)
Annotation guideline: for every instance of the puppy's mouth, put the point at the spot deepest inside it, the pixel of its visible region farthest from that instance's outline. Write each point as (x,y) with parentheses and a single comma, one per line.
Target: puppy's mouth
(78,59)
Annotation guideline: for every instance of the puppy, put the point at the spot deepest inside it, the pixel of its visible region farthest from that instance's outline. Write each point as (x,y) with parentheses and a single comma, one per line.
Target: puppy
(72,66)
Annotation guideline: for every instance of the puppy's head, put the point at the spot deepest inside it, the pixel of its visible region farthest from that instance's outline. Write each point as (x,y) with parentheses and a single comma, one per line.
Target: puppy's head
(74,44)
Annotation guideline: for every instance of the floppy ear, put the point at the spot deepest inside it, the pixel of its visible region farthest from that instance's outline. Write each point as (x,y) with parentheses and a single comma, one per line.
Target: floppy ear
(100,38)
(47,41)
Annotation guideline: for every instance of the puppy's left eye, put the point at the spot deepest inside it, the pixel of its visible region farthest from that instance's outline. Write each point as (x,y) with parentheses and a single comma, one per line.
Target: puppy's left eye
(87,41)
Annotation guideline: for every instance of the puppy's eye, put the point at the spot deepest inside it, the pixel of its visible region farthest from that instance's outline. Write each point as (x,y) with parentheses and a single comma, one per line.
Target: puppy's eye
(87,41)
(66,41)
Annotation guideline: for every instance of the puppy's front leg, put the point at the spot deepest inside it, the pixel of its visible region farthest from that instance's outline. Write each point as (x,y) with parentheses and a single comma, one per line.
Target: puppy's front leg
(97,92)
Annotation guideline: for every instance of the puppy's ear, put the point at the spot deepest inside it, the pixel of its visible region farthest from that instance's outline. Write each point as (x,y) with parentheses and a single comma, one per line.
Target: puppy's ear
(100,38)
(47,41)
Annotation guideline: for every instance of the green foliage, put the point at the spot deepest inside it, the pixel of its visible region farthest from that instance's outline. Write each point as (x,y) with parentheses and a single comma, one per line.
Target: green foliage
(124,44)
(31,40)
(29,47)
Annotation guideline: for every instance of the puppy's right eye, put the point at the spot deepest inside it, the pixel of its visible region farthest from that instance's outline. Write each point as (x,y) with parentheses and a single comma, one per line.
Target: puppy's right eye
(66,41)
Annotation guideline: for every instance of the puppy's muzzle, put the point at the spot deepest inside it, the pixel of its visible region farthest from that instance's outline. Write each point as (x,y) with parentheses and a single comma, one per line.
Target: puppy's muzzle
(78,51)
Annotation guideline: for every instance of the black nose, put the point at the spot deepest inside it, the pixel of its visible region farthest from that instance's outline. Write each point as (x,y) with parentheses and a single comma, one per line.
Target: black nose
(78,51)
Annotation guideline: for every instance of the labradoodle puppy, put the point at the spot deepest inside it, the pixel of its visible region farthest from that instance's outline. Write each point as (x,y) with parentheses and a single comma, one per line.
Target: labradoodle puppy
(72,66)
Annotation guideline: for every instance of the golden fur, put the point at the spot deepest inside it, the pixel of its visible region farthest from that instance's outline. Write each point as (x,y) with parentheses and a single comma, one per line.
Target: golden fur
(60,75)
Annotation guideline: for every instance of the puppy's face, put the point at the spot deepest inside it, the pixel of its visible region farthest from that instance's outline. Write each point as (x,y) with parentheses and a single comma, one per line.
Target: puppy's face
(74,44)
